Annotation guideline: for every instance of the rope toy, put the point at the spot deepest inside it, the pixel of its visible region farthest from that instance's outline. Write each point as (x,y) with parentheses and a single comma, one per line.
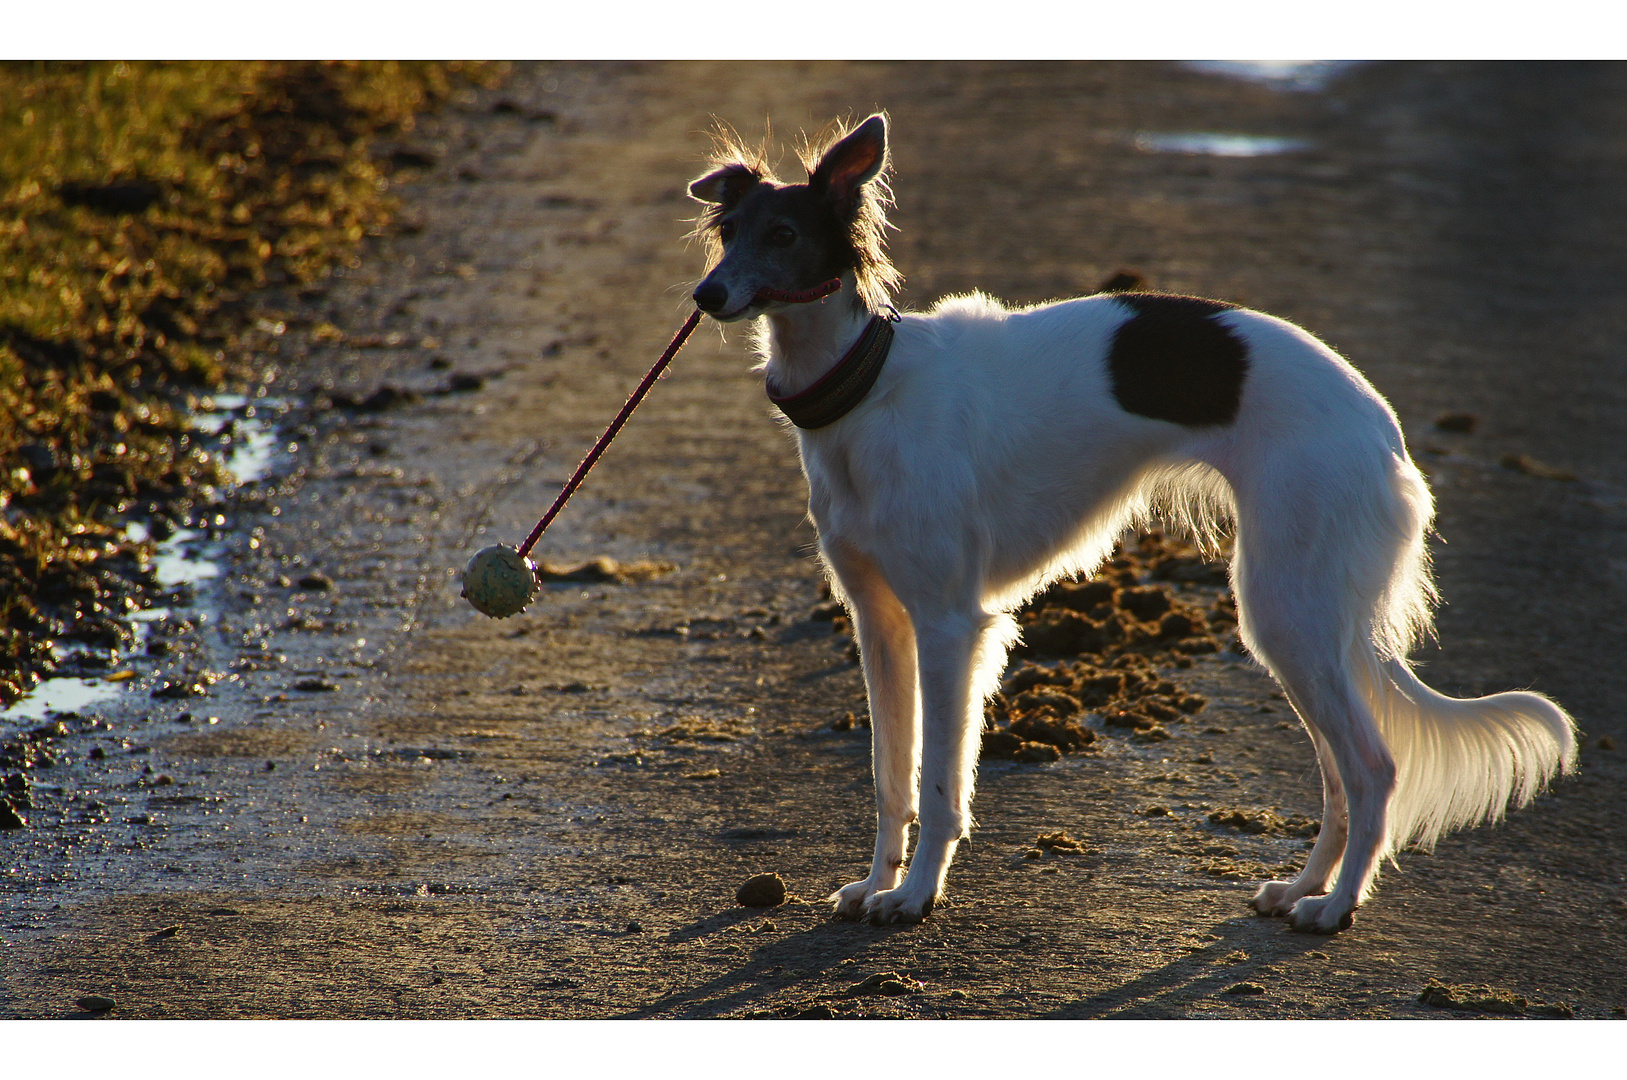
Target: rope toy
(499,580)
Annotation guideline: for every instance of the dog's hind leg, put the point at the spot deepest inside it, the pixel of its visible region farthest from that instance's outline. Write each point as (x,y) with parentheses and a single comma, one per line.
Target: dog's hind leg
(1305,654)
(1279,897)
(887,651)
(959,655)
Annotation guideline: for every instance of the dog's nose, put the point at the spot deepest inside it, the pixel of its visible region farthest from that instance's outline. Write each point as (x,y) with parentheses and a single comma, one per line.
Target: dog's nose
(711,296)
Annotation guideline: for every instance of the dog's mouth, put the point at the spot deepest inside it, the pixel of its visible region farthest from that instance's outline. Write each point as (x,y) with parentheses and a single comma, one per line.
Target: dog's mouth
(743,312)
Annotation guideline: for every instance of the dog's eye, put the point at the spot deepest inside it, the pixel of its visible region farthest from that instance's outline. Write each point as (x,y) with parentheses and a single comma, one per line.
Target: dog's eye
(725,231)
(782,236)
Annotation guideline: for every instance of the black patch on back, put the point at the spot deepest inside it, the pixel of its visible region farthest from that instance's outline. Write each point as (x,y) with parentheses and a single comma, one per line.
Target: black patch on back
(1172,361)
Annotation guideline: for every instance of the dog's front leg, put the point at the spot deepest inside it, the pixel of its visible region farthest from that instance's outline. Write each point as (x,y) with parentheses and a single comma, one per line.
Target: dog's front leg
(947,647)
(887,650)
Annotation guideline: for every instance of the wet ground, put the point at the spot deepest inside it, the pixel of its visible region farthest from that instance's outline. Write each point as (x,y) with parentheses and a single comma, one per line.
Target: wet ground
(330,789)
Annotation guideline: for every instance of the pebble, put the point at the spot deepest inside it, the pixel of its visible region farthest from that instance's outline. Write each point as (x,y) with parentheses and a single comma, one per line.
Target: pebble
(95,1003)
(763,890)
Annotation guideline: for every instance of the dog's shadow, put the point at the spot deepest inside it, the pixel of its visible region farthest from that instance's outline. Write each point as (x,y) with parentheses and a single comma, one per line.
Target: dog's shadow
(1206,973)
(806,958)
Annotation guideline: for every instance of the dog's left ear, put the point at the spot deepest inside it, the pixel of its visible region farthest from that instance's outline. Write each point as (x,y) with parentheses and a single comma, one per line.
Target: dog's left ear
(852,163)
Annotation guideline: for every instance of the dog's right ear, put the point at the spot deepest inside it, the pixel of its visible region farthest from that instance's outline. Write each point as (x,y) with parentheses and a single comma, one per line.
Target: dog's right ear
(727,186)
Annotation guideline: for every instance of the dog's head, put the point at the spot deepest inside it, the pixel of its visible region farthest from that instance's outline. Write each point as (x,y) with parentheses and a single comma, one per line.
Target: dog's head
(764,234)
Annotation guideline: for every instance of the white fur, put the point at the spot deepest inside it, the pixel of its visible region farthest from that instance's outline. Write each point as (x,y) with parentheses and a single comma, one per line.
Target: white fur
(991,459)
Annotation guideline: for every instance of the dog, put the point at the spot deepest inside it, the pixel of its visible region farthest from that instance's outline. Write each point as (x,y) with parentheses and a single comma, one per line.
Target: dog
(960,460)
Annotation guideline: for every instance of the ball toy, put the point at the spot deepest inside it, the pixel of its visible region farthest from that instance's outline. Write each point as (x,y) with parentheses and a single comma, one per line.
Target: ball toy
(499,581)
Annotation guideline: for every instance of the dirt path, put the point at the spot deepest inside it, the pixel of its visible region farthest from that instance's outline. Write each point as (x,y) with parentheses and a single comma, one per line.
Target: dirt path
(549,816)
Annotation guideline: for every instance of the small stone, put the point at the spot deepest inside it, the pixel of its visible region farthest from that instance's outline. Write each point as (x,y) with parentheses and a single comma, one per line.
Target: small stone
(635,927)
(464,382)
(95,1003)
(316,686)
(763,890)
(316,582)
(1243,988)
(166,932)
(817,1012)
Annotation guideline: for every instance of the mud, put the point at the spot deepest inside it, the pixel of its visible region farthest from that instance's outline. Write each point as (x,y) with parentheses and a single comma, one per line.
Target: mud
(476,816)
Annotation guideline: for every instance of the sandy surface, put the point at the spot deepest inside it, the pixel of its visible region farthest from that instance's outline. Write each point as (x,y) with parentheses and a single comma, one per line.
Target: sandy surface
(549,816)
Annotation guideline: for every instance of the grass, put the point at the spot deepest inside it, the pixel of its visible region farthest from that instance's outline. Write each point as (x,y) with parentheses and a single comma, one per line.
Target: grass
(141,204)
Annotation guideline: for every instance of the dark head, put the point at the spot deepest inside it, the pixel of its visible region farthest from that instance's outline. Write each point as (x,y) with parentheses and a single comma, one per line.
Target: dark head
(764,234)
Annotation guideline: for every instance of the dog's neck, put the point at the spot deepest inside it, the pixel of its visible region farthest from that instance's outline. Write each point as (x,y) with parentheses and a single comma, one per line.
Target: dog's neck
(804,341)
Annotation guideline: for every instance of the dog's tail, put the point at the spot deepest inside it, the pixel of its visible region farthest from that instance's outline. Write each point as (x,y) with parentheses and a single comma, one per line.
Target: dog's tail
(1459,761)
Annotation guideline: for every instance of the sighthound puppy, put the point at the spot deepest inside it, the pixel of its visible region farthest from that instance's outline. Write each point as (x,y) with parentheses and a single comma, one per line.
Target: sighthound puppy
(959,461)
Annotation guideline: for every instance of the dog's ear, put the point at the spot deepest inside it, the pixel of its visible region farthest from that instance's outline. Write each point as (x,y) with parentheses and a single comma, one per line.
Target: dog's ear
(727,186)
(852,163)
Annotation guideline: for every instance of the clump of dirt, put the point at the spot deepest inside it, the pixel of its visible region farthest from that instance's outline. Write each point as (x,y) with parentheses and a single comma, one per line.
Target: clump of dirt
(1458,423)
(602,569)
(761,891)
(1530,466)
(1230,869)
(1486,999)
(1057,844)
(850,720)
(1047,704)
(1099,646)
(1256,821)
(1244,989)
(886,984)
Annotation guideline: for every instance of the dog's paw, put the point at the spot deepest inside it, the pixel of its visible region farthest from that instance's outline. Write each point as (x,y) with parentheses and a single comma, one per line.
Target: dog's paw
(849,900)
(900,905)
(1276,898)
(1320,915)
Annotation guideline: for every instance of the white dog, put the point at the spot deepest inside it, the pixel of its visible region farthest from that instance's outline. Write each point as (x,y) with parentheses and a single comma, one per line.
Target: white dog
(959,461)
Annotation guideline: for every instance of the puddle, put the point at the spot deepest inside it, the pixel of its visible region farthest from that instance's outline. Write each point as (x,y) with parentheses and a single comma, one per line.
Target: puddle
(177,563)
(1217,144)
(246,432)
(61,695)
(1302,75)
(246,437)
